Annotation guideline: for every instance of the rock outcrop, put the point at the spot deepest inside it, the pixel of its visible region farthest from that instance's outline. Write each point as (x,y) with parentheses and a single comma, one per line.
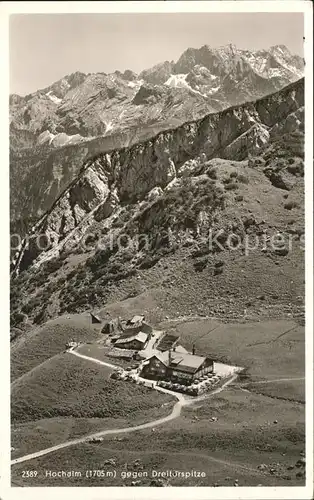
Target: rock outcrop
(100,112)
(129,174)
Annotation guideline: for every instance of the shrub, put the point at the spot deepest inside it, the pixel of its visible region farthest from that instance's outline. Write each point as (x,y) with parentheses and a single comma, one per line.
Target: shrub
(212,173)
(200,251)
(200,264)
(42,316)
(148,262)
(239,197)
(243,179)
(282,251)
(290,205)
(280,163)
(17,318)
(281,153)
(231,186)
(31,304)
(296,169)
(233,174)
(91,238)
(218,270)
(71,274)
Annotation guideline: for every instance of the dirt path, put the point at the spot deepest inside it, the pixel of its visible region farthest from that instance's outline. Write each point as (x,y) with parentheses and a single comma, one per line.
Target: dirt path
(25,375)
(175,413)
(274,380)
(95,360)
(243,387)
(32,370)
(210,458)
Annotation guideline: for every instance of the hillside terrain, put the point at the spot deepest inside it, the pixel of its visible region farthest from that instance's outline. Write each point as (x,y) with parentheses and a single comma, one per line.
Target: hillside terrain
(54,130)
(138,220)
(68,387)
(178,194)
(252,433)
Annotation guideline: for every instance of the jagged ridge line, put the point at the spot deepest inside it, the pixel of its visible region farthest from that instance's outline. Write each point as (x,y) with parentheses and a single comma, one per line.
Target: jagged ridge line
(88,162)
(128,149)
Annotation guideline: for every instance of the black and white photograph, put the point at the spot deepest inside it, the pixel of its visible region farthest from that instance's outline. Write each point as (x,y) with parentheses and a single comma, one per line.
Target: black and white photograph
(158,241)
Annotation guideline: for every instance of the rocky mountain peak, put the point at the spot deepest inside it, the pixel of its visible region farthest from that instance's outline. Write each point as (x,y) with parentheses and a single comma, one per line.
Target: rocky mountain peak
(96,112)
(77,103)
(130,174)
(158,74)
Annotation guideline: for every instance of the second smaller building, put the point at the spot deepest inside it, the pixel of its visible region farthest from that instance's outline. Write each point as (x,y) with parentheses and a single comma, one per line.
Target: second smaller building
(136,342)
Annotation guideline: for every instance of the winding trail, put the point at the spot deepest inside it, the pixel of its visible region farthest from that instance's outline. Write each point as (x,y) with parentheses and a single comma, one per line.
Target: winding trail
(204,456)
(31,371)
(175,413)
(95,360)
(273,380)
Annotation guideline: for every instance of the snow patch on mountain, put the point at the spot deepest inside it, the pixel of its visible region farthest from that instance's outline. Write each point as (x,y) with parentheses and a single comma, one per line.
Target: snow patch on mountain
(58,140)
(109,127)
(53,97)
(64,139)
(213,90)
(45,137)
(178,81)
(135,84)
(261,63)
(200,70)
(257,62)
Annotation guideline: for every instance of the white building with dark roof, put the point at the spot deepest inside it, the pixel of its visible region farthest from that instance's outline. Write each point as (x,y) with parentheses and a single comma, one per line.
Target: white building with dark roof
(134,325)
(177,366)
(136,342)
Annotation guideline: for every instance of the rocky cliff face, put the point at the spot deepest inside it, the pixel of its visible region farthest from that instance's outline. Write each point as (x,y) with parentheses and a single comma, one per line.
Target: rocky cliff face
(204,79)
(128,175)
(99,112)
(90,104)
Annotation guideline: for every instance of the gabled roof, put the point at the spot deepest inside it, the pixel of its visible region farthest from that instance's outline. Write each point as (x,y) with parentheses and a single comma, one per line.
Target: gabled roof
(95,317)
(184,362)
(141,337)
(137,319)
(117,353)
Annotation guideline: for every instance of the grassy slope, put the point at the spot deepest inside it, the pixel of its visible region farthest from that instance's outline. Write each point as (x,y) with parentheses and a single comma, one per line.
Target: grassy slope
(173,281)
(173,287)
(262,348)
(67,386)
(52,431)
(244,435)
(49,340)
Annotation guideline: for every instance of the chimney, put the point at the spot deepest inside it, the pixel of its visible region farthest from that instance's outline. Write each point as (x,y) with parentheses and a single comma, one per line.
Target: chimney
(193,349)
(174,348)
(169,356)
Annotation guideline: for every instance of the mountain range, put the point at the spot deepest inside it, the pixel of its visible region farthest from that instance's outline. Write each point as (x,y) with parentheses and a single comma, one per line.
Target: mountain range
(151,153)
(184,181)
(201,81)
(176,194)
(53,130)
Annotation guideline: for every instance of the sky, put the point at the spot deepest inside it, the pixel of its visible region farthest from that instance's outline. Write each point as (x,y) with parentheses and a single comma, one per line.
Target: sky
(46,47)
